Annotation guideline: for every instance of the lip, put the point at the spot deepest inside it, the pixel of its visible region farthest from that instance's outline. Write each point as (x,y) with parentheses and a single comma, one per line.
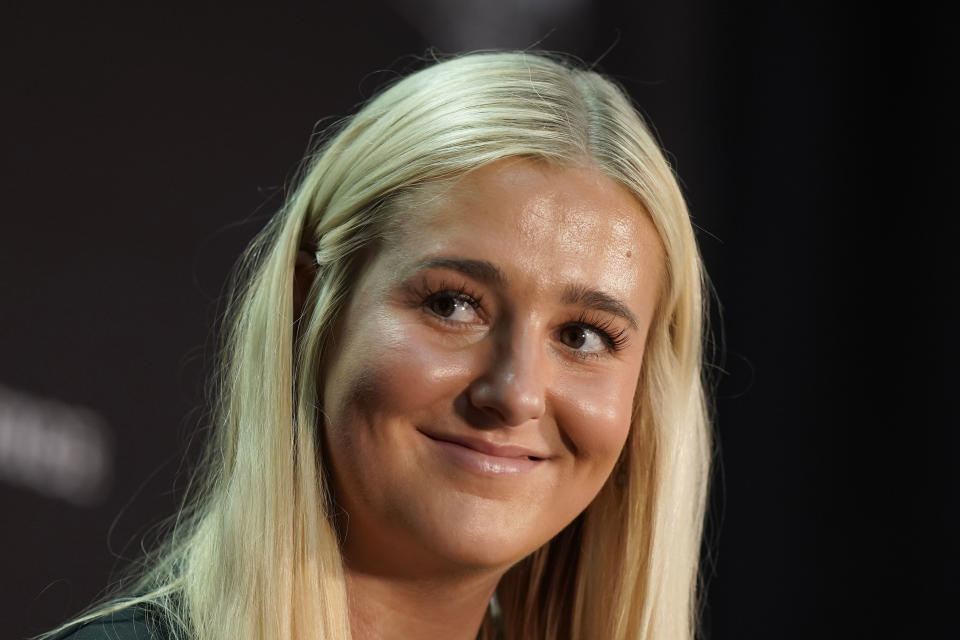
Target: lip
(486,458)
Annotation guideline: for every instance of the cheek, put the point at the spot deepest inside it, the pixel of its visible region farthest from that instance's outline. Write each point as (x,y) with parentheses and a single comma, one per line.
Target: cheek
(390,368)
(595,414)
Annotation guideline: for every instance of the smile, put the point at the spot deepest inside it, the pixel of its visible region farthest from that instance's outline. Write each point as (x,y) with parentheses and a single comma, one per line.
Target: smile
(485,458)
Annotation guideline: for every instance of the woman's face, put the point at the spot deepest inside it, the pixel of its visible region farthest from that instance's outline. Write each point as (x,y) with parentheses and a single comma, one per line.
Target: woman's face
(481,387)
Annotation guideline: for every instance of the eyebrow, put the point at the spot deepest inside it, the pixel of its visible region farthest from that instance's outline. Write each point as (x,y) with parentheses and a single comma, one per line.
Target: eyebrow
(583,296)
(480,270)
(574,294)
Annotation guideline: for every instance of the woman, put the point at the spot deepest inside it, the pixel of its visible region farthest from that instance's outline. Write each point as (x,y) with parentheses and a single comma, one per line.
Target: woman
(463,361)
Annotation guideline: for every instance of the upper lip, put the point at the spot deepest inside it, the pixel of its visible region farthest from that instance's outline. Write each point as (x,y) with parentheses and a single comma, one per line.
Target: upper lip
(489,448)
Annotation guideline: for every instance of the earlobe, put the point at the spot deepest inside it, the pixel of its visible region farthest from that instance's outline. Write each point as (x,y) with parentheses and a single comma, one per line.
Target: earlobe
(304,272)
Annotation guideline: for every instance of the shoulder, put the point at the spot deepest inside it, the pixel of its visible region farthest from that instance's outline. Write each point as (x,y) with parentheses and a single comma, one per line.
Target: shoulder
(129,624)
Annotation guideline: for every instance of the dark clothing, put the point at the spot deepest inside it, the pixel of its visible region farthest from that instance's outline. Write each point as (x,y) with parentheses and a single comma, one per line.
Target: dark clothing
(134,623)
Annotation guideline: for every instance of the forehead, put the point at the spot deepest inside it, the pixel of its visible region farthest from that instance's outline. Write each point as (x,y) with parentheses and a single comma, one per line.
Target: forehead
(554,224)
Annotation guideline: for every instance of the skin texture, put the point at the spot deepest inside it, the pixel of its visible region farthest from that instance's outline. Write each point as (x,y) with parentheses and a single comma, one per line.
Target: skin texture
(514,357)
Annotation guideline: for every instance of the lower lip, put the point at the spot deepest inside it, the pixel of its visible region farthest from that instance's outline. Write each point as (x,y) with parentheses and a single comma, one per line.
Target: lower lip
(483,463)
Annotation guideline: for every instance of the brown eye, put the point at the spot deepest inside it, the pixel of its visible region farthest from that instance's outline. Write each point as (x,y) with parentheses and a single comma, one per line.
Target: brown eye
(584,338)
(574,336)
(443,306)
(457,308)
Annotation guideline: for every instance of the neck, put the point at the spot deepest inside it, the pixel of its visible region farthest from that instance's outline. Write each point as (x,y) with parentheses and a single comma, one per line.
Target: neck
(385,607)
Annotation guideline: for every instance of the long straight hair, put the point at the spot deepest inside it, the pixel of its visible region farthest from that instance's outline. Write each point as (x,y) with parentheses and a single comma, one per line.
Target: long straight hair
(254,553)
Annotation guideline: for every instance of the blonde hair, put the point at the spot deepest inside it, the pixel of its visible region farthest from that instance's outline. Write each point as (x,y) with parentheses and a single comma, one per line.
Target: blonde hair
(254,554)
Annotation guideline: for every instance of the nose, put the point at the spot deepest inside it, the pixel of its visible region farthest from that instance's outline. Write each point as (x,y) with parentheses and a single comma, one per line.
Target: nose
(511,390)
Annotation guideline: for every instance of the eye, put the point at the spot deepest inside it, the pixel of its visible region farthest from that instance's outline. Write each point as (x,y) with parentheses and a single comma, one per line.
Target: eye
(453,306)
(583,338)
(592,336)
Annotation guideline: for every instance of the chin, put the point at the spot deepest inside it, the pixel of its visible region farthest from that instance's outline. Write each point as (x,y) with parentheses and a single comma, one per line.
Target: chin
(478,533)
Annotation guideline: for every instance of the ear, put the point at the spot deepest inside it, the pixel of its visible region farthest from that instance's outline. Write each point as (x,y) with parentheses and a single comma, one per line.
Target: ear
(304,272)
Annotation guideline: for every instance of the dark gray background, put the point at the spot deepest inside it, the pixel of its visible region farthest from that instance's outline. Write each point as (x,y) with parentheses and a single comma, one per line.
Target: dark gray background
(816,145)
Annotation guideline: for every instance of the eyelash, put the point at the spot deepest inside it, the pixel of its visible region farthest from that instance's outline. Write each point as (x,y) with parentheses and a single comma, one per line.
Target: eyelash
(615,339)
(426,294)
